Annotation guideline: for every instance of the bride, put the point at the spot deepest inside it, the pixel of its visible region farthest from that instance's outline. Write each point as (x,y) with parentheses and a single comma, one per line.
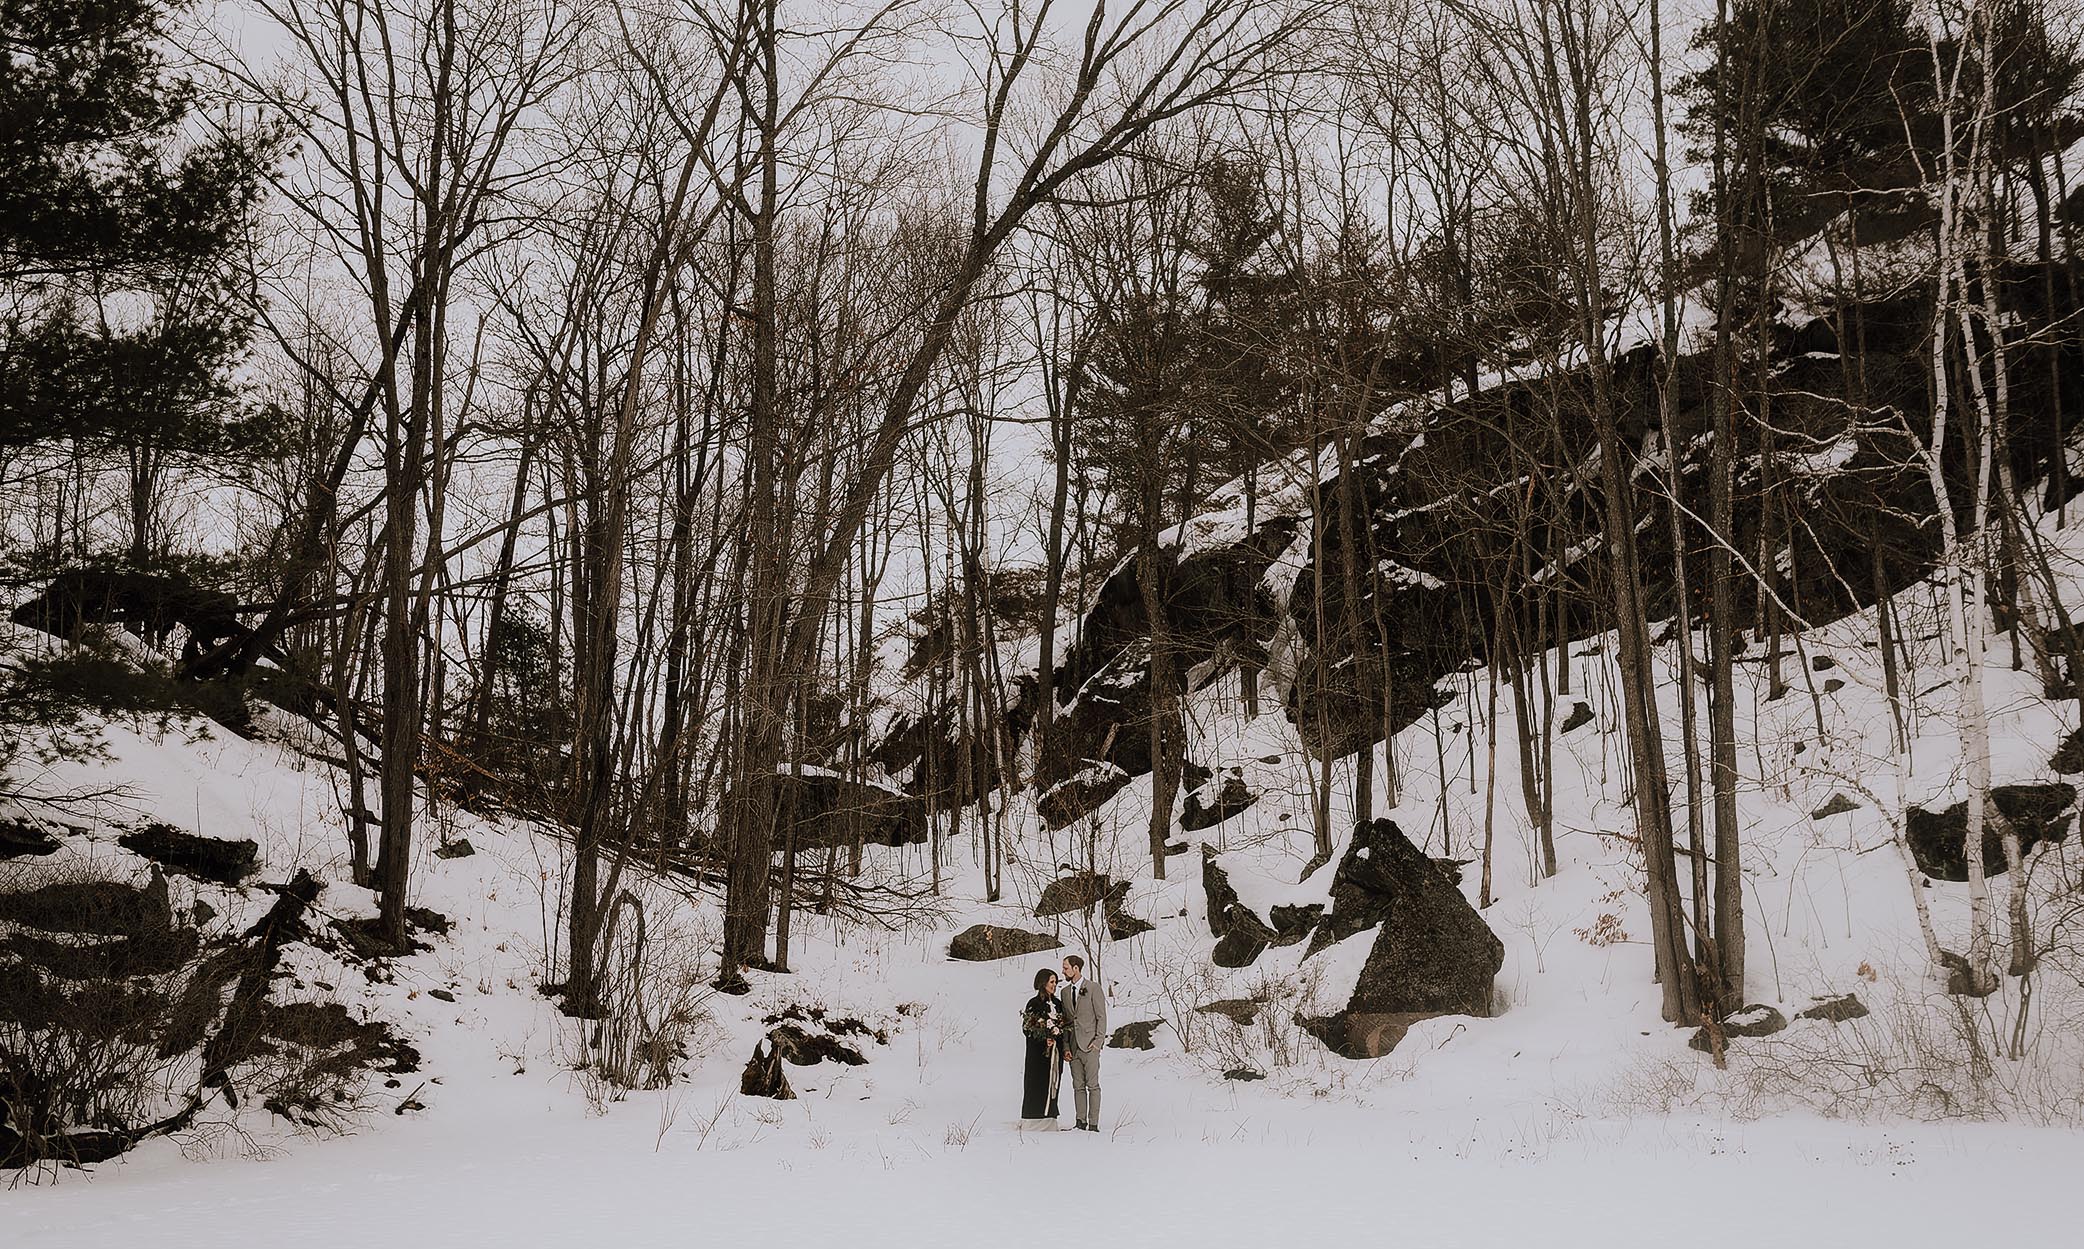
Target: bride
(1042,1022)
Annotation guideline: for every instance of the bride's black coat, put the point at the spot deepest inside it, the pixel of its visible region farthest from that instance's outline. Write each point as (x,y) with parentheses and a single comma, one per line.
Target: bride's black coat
(1035,1099)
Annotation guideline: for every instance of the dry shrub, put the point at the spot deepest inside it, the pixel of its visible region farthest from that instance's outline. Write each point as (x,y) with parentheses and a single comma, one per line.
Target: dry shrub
(1183,978)
(1275,1040)
(654,994)
(124,1013)
(1919,1055)
(105,999)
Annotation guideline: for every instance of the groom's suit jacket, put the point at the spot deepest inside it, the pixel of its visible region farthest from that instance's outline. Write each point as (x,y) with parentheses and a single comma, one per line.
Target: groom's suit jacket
(1085,1007)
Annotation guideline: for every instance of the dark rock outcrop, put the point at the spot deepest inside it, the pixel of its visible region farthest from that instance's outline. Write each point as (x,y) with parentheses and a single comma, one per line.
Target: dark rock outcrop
(1838,1009)
(426,919)
(147,954)
(188,1010)
(2068,759)
(1837,804)
(800,1047)
(1217,614)
(1121,926)
(1242,1011)
(817,1017)
(1241,935)
(1431,490)
(1452,868)
(1107,726)
(764,1077)
(151,602)
(1135,1036)
(825,809)
(108,908)
(928,754)
(1209,597)
(1067,802)
(1938,839)
(1205,810)
(19,840)
(1080,891)
(1241,945)
(1432,953)
(457,849)
(984,943)
(1293,922)
(205,858)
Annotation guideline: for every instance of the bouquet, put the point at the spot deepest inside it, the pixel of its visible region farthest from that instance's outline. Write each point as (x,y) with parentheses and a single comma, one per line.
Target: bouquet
(1038,1026)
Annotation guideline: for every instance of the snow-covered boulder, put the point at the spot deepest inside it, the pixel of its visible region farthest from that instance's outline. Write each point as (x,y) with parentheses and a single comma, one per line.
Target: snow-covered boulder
(1752,1021)
(1069,801)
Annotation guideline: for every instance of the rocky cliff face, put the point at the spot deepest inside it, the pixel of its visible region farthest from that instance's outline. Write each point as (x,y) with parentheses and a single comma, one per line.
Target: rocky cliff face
(1480,520)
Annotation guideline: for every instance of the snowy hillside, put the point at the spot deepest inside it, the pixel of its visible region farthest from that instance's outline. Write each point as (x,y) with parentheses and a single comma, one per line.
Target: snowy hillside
(1213,623)
(1525,1123)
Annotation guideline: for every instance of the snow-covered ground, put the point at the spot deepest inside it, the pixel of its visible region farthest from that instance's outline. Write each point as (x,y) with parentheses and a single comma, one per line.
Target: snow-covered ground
(1572,1117)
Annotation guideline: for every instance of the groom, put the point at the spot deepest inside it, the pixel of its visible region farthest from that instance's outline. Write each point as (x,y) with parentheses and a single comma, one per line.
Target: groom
(1085,1010)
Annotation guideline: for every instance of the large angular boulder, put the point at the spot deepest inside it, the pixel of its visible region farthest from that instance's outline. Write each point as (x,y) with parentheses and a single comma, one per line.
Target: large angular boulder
(1106,726)
(1215,606)
(1432,953)
(1938,839)
(985,943)
(1240,936)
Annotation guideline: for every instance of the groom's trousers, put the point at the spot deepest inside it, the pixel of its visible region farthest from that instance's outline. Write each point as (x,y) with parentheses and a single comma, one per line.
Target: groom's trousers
(1085,1084)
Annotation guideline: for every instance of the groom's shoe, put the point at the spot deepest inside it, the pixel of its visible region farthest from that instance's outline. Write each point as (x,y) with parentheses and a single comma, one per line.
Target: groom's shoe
(1090,1127)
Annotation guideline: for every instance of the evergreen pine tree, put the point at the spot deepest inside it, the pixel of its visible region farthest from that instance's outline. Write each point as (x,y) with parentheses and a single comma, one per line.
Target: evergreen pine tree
(123,232)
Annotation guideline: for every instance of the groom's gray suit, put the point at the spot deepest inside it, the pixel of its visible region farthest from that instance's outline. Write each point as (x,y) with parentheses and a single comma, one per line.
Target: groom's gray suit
(1085,1011)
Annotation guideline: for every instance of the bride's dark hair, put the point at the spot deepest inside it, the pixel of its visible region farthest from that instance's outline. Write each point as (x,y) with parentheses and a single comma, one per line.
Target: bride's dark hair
(1042,979)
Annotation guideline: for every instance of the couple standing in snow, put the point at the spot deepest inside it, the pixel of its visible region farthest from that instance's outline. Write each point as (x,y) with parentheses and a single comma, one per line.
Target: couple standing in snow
(1066,1025)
